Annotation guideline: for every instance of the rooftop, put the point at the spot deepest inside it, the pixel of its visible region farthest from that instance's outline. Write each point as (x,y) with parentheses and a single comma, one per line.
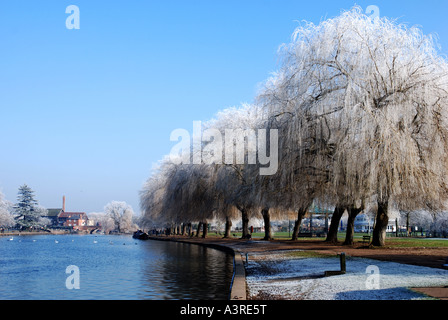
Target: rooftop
(53,212)
(73,215)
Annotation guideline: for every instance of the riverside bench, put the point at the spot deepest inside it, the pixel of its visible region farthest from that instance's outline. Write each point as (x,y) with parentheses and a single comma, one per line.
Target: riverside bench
(305,235)
(365,239)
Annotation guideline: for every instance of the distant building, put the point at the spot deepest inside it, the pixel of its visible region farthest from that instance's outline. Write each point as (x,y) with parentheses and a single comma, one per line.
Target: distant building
(53,216)
(73,219)
(364,223)
(316,210)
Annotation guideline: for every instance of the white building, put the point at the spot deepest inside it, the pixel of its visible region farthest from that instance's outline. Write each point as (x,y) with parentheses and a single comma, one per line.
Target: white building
(364,223)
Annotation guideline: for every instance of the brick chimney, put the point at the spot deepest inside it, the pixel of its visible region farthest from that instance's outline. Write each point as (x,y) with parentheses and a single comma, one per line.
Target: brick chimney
(63,203)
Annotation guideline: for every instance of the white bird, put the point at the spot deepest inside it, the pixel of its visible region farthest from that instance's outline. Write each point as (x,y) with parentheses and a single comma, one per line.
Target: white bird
(56,241)
(94,241)
(10,239)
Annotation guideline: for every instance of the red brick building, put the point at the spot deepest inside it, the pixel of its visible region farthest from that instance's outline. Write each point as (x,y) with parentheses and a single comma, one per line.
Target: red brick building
(73,219)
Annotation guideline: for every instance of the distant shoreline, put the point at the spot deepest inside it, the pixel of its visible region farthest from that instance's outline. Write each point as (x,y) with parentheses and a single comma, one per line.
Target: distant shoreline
(52,232)
(36,233)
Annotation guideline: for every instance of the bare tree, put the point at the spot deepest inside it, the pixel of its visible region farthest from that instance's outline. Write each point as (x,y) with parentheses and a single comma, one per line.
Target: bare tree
(121,213)
(439,227)
(106,223)
(6,216)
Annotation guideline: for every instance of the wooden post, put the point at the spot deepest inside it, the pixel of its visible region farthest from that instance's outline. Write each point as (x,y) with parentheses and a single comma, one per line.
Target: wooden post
(343,267)
(342,258)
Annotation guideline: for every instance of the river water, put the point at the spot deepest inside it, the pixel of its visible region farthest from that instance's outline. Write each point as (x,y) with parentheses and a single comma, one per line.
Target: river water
(110,267)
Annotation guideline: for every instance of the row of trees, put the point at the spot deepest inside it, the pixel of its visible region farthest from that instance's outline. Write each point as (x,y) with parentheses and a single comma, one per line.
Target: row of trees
(359,105)
(436,225)
(27,213)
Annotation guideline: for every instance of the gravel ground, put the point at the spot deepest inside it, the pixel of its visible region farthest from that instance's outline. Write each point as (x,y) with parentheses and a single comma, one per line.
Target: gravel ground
(287,275)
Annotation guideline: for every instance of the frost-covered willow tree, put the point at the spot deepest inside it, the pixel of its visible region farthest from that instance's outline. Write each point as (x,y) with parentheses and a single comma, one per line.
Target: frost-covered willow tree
(292,99)
(178,195)
(359,105)
(191,196)
(217,186)
(365,99)
(103,220)
(395,139)
(153,194)
(240,151)
(121,214)
(6,217)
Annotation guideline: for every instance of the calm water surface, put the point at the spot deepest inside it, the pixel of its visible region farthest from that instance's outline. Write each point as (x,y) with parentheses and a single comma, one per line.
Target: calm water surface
(111,267)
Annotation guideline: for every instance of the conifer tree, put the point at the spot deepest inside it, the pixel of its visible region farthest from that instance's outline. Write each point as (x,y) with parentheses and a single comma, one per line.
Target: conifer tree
(27,211)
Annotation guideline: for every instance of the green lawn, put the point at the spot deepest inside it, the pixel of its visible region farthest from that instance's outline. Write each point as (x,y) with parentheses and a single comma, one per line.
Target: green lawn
(391,241)
(416,242)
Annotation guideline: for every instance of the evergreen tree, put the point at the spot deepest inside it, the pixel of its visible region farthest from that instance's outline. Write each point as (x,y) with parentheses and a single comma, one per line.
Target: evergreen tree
(26,209)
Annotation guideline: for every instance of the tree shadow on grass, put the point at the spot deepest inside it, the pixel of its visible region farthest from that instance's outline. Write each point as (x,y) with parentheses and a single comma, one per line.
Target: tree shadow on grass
(399,293)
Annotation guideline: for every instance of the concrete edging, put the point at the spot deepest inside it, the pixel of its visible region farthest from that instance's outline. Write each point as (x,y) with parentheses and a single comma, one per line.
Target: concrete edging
(238,287)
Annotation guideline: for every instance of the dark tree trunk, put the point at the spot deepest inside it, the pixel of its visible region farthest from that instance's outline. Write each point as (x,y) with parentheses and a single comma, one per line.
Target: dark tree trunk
(204,229)
(245,220)
(228,227)
(300,214)
(184,227)
(352,213)
(407,225)
(332,235)
(379,232)
(199,229)
(267,224)
(396,227)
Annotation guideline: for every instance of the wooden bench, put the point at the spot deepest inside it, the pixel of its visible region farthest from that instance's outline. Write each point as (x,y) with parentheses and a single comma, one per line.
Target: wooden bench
(305,235)
(365,239)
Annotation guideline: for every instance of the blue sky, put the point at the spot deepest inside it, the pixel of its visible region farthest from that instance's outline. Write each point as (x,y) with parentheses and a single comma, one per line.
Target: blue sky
(86,113)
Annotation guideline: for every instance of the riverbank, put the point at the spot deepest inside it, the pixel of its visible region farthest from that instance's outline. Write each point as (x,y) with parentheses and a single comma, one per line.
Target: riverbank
(255,255)
(32,233)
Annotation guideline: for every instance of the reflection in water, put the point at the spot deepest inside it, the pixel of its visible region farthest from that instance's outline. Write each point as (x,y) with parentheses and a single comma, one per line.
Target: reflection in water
(111,267)
(188,271)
